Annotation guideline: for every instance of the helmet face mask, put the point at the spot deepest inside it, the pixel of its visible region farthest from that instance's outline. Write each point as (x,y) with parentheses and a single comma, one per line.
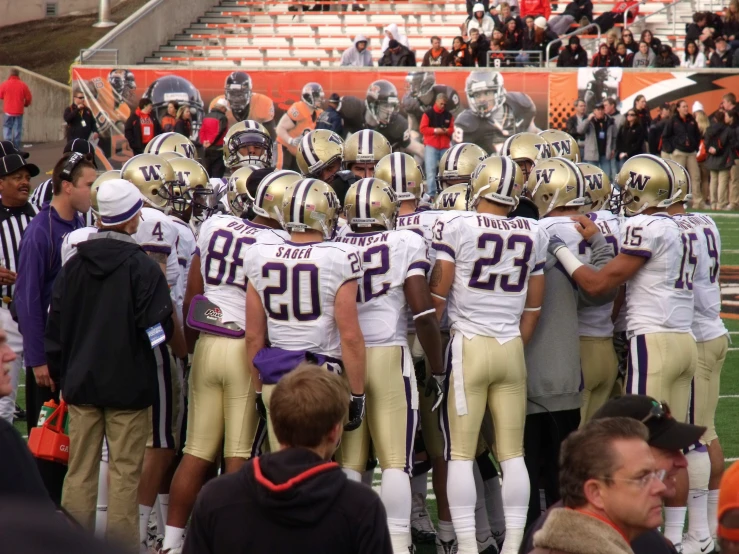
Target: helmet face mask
(683,186)
(420,83)
(238,93)
(597,187)
(123,83)
(313,95)
(173,88)
(247,143)
(382,101)
(556,183)
(485,92)
(189,175)
(150,174)
(526,149)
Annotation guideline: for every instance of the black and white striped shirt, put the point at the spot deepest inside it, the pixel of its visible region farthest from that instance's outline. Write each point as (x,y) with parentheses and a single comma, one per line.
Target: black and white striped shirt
(13,223)
(43,194)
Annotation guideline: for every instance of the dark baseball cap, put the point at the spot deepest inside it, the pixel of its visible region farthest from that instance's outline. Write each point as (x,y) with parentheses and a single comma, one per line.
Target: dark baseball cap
(393,43)
(14,162)
(7,148)
(79,145)
(599,106)
(334,98)
(664,431)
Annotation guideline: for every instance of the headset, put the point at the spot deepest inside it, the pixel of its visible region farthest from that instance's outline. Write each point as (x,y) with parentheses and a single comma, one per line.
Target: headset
(74,160)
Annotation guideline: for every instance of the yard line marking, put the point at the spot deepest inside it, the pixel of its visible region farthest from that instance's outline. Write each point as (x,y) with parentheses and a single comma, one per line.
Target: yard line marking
(731,459)
(728,396)
(733,349)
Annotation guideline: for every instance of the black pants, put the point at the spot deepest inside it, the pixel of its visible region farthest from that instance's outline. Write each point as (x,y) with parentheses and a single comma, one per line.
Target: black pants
(52,473)
(213,162)
(542,438)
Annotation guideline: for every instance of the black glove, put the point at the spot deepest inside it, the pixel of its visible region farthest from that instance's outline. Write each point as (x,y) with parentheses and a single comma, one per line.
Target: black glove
(420,367)
(261,408)
(435,386)
(356,412)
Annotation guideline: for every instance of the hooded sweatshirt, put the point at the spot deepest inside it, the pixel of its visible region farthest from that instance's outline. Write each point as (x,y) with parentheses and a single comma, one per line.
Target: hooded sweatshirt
(485,25)
(401,38)
(352,56)
(285,502)
(104,300)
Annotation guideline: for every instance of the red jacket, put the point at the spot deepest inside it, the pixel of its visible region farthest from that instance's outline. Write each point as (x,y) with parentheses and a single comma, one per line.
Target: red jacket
(535,8)
(430,138)
(16,96)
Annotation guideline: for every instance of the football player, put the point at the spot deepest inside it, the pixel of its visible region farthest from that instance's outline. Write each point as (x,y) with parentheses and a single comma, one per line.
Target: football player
(221,394)
(395,267)
(458,164)
(320,156)
(244,103)
(597,354)
(363,150)
(192,180)
(175,88)
(379,112)
(111,103)
(307,318)
(166,143)
(247,143)
(526,149)
(563,145)
(300,118)
(485,261)
(704,469)
(494,114)
(421,91)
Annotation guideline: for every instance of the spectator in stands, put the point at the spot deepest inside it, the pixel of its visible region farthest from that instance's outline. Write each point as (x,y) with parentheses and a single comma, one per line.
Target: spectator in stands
(692,57)
(16,97)
(81,123)
(656,128)
(653,42)
(722,56)
(577,10)
(460,54)
(645,57)
(612,40)
(479,46)
(537,37)
(642,111)
(666,57)
(168,121)
(623,57)
(471,6)
(720,141)
(574,55)
(731,24)
(357,55)
(704,123)
(575,121)
(212,131)
(536,8)
(479,20)
(392,33)
(141,126)
(628,38)
(512,36)
(437,55)
(599,138)
(498,35)
(497,57)
(607,20)
(397,55)
(603,58)
(630,139)
(331,119)
(183,123)
(694,31)
(681,139)
(610,107)
(437,126)
(501,15)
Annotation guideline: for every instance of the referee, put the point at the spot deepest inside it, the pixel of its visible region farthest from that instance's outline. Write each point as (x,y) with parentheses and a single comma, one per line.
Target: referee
(15,214)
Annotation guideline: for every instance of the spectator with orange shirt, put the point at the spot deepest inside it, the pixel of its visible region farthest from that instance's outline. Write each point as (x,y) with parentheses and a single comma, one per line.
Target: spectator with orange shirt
(16,97)
(436,56)
(536,8)
(141,127)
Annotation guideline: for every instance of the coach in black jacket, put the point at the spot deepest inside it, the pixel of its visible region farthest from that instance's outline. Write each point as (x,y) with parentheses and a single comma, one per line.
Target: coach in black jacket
(110,307)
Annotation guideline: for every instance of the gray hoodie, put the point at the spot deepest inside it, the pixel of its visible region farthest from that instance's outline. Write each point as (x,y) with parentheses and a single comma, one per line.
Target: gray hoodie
(640,60)
(354,57)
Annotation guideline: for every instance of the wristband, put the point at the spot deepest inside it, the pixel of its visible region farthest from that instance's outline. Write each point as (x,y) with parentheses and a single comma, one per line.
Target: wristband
(532,309)
(568,260)
(439,297)
(427,312)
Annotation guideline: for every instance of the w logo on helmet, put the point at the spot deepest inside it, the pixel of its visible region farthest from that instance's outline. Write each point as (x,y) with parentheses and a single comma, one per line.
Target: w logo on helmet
(637,180)
(151,172)
(544,176)
(333,201)
(449,200)
(563,147)
(594,181)
(545,150)
(188,149)
(183,176)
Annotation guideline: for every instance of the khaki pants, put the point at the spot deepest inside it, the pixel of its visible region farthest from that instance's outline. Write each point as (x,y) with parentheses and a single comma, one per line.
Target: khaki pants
(720,188)
(126,431)
(599,371)
(690,163)
(706,385)
(734,187)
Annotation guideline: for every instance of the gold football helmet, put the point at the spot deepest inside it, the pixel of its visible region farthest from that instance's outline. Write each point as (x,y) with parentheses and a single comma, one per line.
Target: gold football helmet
(310,204)
(267,201)
(247,143)
(192,180)
(170,155)
(647,182)
(237,195)
(526,149)
(365,147)
(683,186)
(563,145)
(404,175)
(318,150)
(171,142)
(455,197)
(498,179)
(153,175)
(107,176)
(371,202)
(597,187)
(458,163)
(556,183)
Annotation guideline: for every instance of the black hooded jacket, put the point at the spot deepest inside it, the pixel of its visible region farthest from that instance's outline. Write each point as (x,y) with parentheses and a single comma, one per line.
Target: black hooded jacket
(286,502)
(103,301)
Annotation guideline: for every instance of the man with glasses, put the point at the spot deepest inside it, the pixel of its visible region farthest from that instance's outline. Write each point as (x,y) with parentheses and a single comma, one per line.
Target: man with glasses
(80,120)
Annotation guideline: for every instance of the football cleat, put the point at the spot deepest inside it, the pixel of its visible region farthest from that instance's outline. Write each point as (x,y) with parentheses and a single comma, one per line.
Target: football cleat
(563,145)
(458,163)
(310,204)
(404,175)
(446,547)
(152,175)
(488,546)
(556,183)
(371,202)
(692,545)
(597,187)
(647,182)
(422,528)
(497,179)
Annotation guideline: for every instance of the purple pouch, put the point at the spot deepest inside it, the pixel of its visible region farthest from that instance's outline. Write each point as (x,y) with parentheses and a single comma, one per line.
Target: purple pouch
(206,317)
(274,363)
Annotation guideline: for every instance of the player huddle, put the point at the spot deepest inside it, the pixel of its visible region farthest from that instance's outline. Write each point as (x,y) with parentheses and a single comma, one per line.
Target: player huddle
(426,307)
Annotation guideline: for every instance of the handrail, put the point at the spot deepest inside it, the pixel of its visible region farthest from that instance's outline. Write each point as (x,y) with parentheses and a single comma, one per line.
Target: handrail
(626,12)
(534,57)
(579,31)
(672,5)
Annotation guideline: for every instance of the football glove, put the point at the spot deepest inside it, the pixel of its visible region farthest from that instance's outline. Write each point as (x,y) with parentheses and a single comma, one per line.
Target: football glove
(435,386)
(356,412)
(555,243)
(261,408)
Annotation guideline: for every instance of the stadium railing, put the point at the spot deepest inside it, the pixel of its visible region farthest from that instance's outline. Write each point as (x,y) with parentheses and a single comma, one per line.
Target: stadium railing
(581,31)
(515,58)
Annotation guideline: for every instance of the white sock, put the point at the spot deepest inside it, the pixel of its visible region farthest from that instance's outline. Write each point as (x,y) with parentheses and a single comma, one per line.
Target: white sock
(368,477)
(482,524)
(515,492)
(674,523)
(352,474)
(162,511)
(461,495)
(420,484)
(494,503)
(395,493)
(144,513)
(446,531)
(699,473)
(713,511)
(101,514)
(174,537)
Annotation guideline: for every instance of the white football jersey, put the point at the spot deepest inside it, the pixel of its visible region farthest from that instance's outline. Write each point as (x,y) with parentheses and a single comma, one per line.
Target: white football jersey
(298,285)
(659,298)
(703,236)
(70,242)
(186,243)
(421,223)
(157,233)
(388,259)
(494,257)
(222,245)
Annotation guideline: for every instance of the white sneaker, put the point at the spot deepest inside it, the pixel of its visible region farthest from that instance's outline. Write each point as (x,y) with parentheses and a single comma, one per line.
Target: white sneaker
(444,547)
(691,545)
(488,546)
(422,529)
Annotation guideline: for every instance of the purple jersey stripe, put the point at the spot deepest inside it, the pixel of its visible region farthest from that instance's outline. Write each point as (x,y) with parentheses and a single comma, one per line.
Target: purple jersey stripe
(643,361)
(420,265)
(636,252)
(439,247)
(159,248)
(539,266)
